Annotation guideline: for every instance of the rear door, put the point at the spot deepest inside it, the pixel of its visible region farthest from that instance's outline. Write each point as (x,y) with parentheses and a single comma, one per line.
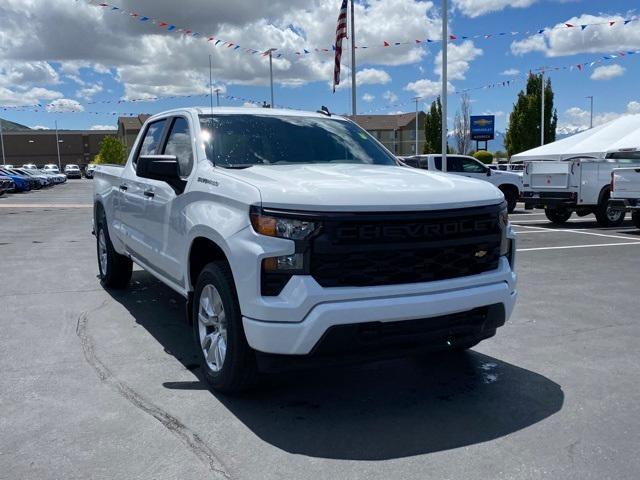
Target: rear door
(133,203)
(166,221)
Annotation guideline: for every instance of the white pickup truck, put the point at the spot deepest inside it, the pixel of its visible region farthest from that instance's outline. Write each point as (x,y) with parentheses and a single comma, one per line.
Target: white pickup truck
(298,234)
(580,185)
(509,183)
(625,192)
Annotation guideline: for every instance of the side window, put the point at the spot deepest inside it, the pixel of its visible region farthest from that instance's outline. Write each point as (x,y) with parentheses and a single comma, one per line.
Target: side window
(472,166)
(179,144)
(454,164)
(437,161)
(151,139)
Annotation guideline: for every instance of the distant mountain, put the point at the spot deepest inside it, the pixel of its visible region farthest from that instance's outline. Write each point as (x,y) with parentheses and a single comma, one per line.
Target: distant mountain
(8,126)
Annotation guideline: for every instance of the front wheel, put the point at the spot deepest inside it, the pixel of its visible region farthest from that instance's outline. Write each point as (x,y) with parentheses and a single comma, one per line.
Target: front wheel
(607,216)
(558,216)
(115,269)
(511,196)
(228,362)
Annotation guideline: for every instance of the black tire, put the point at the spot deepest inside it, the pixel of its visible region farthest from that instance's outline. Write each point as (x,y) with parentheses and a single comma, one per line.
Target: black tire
(635,218)
(238,369)
(512,200)
(558,216)
(118,267)
(605,215)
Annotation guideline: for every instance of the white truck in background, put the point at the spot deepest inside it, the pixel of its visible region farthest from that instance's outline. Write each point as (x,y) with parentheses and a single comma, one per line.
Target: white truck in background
(625,192)
(580,185)
(296,236)
(508,182)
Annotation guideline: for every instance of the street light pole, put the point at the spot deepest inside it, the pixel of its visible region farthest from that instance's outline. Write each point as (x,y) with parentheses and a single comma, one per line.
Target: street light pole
(542,115)
(445,44)
(270,52)
(591,116)
(415,152)
(4,161)
(58,146)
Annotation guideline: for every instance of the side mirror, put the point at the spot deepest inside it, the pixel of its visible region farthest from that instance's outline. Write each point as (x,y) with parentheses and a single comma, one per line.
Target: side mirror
(164,168)
(489,172)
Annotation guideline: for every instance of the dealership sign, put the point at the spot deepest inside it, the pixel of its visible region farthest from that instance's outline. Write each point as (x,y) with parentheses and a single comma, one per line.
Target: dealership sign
(482,127)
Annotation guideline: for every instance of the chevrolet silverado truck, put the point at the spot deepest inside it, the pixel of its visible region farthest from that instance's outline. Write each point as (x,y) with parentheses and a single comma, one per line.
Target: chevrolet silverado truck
(297,236)
(625,192)
(509,183)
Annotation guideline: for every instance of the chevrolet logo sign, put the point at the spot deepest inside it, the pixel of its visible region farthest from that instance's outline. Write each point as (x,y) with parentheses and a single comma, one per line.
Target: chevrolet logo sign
(481,254)
(483,122)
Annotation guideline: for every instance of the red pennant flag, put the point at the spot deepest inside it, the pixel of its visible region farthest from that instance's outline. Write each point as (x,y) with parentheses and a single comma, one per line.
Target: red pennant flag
(452,37)
(612,23)
(211,39)
(579,66)
(569,25)
(162,24)
(418,41)
(386,44)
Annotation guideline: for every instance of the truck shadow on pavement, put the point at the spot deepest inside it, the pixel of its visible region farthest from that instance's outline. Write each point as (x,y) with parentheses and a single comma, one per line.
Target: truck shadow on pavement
(378,411)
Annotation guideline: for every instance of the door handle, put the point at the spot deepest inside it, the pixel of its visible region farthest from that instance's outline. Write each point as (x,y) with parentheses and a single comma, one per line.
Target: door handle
(149,193)
(123,187)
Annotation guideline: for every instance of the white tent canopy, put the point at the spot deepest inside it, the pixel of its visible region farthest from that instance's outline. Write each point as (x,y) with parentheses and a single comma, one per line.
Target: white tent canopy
(620,134)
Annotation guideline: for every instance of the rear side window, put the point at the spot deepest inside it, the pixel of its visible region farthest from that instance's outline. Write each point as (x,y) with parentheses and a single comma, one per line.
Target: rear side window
(179,144)
(151,139)
(453,164)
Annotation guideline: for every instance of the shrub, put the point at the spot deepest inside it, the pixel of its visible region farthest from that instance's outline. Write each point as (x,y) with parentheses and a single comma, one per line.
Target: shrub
(484,156)
(112,151)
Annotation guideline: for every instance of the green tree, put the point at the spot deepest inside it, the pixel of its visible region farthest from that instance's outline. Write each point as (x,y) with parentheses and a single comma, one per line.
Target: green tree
(111,151)
(433,128)
(484,156)
(524,122)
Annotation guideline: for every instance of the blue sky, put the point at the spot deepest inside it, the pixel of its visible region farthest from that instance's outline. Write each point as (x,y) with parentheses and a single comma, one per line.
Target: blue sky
(69,72)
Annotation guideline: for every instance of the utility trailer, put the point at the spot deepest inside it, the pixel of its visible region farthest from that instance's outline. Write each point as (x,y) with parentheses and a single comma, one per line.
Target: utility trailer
(578,184)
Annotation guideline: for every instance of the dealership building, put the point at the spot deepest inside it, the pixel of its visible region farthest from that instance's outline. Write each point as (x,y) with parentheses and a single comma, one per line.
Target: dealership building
(39,146)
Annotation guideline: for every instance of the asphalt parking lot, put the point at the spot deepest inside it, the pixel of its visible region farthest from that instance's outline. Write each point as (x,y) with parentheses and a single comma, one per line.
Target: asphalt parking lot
(99,384)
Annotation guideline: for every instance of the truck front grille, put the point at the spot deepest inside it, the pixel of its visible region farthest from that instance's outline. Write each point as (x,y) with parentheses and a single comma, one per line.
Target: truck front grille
(396,248)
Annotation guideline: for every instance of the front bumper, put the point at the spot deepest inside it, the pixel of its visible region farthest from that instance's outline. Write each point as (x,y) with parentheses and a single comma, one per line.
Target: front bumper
(549,200)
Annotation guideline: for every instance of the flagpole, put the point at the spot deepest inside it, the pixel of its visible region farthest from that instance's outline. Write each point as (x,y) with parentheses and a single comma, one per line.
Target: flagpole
(353,59)
(445,43)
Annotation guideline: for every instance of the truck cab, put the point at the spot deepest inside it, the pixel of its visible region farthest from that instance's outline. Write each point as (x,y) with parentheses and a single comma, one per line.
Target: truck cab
(509,183)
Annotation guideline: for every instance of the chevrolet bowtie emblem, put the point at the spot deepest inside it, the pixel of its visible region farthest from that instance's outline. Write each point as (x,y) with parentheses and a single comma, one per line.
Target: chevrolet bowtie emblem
(481,253)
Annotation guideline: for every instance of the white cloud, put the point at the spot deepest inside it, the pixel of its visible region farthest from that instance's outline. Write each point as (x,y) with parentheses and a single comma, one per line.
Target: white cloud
(65,105)
(511,72)
(88,92)
(576,119)
(32,96)
(475,8)
(103,127)
(367,97)
(149,61)
(607,72)
(367,76)
(39,127)
(458,59)
(498,113)
(563,41)
(427,88)
(390,97)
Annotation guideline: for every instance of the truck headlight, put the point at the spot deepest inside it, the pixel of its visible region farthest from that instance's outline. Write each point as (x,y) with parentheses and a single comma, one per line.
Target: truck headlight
(503,221)
(282,227)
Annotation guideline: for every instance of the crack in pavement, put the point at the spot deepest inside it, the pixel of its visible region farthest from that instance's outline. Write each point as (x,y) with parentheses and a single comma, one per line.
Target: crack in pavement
(191,440)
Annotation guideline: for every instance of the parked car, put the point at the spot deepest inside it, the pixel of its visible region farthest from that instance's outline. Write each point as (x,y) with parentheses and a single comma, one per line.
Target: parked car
(8,165)
(625,192)
(55,178)
(6,184)
(578,184)
(44,180)
(30,166)
(51,167)
(509,183)
(72,171)
(22,182)
(88,173)
(297,233)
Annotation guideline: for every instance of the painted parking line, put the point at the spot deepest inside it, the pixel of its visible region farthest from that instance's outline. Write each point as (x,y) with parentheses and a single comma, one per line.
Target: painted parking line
(569,247)
(570,230)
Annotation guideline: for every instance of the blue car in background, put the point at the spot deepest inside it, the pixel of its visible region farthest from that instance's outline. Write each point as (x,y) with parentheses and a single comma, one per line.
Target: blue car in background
(22,183)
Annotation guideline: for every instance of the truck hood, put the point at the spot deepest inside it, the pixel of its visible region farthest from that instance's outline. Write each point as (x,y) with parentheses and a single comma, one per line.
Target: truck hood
(349,187)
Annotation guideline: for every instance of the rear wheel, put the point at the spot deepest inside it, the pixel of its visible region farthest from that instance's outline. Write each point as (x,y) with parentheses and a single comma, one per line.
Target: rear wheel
(558,216)
(228,362)
(607,216)
(635,218)
(115,269)
(511,196)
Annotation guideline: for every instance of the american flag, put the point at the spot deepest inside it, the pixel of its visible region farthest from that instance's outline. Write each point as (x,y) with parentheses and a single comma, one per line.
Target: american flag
(341,32)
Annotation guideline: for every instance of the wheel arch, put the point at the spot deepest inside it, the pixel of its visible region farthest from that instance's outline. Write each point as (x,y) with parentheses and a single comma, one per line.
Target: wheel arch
(509,187)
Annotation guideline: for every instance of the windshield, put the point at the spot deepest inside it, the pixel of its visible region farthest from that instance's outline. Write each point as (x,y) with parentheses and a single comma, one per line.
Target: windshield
(247,140)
